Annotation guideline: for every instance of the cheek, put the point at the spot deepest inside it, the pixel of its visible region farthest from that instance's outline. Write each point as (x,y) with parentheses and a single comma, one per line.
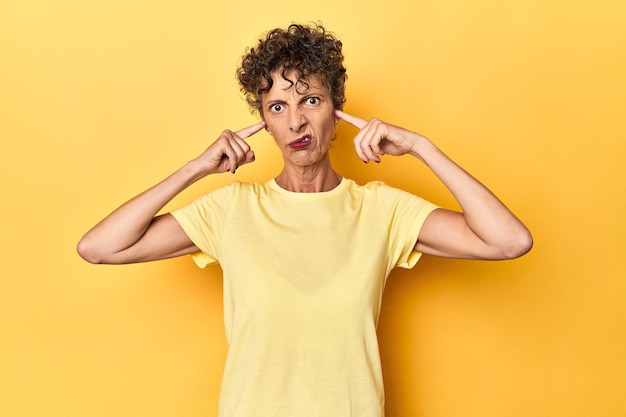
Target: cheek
(329,126)
(274,127)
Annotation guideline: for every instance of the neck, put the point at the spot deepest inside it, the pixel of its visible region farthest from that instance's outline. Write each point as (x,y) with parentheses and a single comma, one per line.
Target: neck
(303,180)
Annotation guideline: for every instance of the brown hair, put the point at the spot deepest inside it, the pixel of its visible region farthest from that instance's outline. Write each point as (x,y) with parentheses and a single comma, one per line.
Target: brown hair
(307,50)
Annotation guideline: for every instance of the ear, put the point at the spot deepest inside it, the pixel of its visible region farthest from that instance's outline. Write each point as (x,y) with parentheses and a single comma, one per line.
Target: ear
(340,108)
(266,128)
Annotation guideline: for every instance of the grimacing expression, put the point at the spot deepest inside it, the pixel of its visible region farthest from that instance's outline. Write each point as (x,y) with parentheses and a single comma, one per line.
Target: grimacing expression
(301,118)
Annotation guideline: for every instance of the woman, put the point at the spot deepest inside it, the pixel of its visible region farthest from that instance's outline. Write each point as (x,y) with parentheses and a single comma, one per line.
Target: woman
(305,256)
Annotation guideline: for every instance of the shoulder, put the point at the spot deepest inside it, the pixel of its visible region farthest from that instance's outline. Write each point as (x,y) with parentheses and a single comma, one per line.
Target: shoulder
(223,196)
(390,198)
(369,187)
(384,191)
(234,189)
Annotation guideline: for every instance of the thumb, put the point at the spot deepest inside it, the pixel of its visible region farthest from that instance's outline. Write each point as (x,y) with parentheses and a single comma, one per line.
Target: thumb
(250,157)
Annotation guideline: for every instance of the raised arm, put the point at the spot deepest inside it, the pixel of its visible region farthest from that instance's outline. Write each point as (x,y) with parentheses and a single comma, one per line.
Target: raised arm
(132,233)
(484,229)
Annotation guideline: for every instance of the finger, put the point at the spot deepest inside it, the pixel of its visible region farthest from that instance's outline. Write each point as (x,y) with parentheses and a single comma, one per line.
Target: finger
(376,136)
(230,155)
(246,132)
(366,142)
(367,150)
(249,157)
(239,153)
(358,147)
(353,120)
(230,151)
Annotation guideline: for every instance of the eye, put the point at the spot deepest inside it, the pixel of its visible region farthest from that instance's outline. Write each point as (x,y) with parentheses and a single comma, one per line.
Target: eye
(276,108)
(312,101)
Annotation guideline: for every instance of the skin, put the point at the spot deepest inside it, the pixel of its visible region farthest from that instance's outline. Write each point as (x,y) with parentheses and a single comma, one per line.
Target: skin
(291,114)
(484,229)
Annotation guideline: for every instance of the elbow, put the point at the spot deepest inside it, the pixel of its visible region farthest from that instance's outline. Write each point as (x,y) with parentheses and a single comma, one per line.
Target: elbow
(518,246)
(88,252)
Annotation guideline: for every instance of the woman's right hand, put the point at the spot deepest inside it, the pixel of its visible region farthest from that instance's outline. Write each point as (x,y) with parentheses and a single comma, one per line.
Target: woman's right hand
(134,233)
(229,151)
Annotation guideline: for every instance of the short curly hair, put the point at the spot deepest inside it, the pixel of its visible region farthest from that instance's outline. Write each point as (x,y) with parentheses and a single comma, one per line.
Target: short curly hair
(307,50)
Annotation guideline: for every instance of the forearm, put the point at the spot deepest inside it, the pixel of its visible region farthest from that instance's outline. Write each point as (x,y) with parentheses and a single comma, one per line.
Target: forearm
(485,229)
(485,215)
(132,233)
(125,226)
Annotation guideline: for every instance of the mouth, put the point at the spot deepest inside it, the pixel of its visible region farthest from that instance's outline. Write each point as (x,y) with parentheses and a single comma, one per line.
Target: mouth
(301,143)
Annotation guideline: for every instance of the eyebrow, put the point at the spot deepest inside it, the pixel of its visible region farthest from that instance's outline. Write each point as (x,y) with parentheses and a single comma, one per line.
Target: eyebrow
(275,101)
(318,92)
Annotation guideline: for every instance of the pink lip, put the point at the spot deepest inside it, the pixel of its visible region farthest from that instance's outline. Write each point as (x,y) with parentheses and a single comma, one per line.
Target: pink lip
(301,143)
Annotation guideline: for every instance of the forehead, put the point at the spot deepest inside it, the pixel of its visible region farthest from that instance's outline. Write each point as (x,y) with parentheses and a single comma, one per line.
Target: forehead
(289,84)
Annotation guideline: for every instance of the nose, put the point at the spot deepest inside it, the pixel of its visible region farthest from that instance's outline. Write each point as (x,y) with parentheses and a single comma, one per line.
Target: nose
(296,120)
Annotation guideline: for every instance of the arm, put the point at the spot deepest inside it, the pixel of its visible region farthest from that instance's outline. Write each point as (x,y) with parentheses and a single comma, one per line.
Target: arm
(485,229)
(132,233)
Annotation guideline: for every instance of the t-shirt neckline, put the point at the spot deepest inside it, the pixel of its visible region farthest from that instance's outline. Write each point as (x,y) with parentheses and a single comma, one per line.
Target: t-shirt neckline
(309,196)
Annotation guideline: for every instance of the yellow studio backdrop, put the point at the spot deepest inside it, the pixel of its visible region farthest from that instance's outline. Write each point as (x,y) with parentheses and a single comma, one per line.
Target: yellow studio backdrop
(101,99)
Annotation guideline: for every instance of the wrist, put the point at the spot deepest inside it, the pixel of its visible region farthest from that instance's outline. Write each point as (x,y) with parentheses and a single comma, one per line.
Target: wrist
(195,170)
(420,147)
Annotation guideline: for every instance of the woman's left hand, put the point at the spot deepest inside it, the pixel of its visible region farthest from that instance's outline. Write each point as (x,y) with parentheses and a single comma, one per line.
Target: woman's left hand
(484,229)
(377,138)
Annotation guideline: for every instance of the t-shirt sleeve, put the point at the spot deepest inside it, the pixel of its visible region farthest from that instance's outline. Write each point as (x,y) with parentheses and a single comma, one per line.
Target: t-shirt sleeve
(204,221)
(404,215)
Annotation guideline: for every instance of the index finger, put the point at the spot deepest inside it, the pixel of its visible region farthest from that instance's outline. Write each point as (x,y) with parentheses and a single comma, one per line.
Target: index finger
(353,120)
(246,132)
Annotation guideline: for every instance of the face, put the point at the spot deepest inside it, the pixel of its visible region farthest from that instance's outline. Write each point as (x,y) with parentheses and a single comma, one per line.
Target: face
(302,121)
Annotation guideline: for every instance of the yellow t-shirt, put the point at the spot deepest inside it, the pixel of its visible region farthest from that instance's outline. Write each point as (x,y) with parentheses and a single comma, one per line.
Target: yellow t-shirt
(303,281)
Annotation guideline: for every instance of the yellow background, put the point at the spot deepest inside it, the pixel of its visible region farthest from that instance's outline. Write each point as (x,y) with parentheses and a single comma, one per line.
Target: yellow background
(101,99)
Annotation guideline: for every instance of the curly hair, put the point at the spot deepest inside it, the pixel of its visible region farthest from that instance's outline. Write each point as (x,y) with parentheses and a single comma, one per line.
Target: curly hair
(307,50)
